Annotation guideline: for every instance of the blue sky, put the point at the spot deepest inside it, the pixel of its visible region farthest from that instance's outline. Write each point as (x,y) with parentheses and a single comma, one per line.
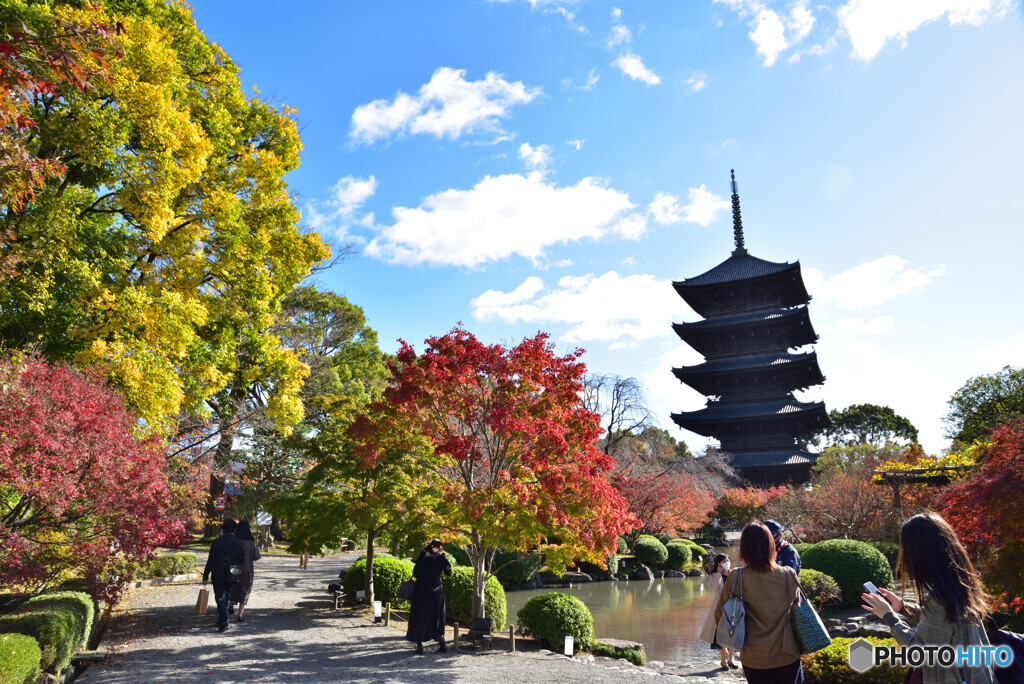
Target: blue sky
(539,165)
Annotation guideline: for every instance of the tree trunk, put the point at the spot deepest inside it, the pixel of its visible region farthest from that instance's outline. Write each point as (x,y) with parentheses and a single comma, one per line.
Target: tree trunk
(479,575)
(275,528)
(371,535)
(211,528)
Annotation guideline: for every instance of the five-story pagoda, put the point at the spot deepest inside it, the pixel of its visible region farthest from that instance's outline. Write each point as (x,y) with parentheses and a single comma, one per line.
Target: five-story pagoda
(755,312)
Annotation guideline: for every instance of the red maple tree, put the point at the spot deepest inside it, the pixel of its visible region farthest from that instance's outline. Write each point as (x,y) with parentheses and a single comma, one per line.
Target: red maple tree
(514,452)
(986,512)
(78,492)
(664,501)
(741,505)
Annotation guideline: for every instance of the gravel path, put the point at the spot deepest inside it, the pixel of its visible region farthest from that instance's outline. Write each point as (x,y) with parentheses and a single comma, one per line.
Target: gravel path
(290,634)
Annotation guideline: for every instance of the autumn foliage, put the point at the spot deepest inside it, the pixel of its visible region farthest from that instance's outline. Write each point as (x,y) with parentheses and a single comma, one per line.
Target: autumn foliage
(986,511)
(78,492)
(514,453)
(665,502)
(740,505)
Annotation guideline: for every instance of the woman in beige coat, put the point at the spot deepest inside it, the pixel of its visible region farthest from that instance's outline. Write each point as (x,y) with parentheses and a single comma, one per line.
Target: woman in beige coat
(770,654)
(707,632)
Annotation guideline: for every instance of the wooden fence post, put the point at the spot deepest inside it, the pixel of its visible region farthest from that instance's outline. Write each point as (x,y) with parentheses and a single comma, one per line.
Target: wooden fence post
(455,642)
(387,614)
(511,639)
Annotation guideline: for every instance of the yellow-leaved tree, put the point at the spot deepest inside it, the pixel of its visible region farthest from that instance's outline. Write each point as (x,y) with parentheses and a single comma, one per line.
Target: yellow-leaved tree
(163,250)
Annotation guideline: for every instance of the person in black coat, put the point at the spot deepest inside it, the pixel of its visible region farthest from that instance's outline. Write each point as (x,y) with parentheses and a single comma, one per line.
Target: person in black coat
(225,551)
(427,617)
(785,554)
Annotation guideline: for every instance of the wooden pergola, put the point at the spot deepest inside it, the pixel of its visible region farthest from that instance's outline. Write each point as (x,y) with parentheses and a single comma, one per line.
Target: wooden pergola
(933,477)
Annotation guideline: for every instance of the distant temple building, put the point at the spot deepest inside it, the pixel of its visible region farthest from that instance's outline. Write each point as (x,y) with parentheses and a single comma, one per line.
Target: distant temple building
(754,312)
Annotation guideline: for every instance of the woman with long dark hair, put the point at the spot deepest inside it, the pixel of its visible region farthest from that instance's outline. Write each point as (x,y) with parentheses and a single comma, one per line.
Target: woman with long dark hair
(770,654)
(951,602)
(241,589)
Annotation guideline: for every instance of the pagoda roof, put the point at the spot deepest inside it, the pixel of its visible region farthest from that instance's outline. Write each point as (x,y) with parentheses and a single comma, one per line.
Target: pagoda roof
(744,363)
(737,267)
(707,420)
(763,459)
(749,318)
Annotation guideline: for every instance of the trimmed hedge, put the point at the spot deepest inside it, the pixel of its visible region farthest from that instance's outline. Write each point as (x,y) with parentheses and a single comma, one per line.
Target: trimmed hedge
(458,598)
(801,548)
(169,565)
(621,546)
(679,555)
(663,537)
(610,567)
(891,550)
(522,566)
(650,552)
(19,659)
(388,574)
(551,617)
(698,552)
(850,563)
(831,665)
(60,623)
(460,554)
(821,590)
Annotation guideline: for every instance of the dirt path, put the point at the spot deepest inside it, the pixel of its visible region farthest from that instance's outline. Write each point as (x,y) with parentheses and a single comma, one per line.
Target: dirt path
(291,635)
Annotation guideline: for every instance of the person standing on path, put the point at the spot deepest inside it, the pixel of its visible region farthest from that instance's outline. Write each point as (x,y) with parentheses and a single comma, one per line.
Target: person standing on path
(707,632)
(240,590)
(427,616)
(785,554)
(225,551)
(770,653)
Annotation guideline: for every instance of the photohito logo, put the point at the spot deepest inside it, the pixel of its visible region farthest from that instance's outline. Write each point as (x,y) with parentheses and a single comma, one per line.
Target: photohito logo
(864,656)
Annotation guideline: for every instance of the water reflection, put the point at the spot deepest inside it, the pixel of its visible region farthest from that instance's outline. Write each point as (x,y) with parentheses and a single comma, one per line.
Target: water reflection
(666,615)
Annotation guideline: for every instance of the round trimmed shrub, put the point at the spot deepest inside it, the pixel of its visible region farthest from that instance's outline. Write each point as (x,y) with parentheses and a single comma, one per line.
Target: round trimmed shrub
(831,665)
(891,551)
(520,569)
(821,590)
(458,597)
(388,574)
(663,537)
(698,552)
(59,622)
(650,552)
(801,548)
(19,659)
(551,617)
(460,554)
(622,547)
(850,563)
(679,555)
(168,565)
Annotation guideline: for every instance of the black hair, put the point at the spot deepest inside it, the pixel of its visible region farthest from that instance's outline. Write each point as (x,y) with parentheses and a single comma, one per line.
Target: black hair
(228,526)
(718,561)
(244,532)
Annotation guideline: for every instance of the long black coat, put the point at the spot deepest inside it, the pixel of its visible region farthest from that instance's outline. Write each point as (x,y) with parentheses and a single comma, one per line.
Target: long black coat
(225,551)
(240,589)
(426,619)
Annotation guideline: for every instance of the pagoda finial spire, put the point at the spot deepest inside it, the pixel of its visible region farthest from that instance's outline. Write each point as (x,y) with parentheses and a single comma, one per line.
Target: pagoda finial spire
(737,222)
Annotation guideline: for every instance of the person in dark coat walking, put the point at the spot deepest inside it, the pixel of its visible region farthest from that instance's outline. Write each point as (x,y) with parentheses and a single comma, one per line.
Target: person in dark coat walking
(785,554)
(225,551)
(427,617)
(240,589)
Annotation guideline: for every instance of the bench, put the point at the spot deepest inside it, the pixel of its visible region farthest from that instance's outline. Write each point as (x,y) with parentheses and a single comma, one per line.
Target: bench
(481,635)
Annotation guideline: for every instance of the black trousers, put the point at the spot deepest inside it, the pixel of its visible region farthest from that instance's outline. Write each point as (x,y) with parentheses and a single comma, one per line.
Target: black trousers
(787,674)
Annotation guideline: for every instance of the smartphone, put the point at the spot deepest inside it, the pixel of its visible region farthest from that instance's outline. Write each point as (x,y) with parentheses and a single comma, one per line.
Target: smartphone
(871,588)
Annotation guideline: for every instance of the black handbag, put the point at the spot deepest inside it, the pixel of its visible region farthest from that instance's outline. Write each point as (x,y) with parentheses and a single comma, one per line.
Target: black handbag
(808,628)
(405,590)
(236,573)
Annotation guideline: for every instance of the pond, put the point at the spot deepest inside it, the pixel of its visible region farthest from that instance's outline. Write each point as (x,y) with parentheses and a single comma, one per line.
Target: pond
(666,615)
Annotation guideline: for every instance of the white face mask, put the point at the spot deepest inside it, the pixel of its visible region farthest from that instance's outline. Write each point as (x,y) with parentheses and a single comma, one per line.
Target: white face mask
(725,565)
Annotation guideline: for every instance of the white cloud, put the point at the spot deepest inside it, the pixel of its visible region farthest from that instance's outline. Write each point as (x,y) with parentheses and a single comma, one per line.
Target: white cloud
(347,196)
(801,21)
(620,34)
(702,208)
(870,24)
(536,158)
(447,106)
(498,217)
(630,260)
(632,227)
(592,78)
(870,283)
(605,308)
(697,82)
(858,326)
(616,13)
(1006,353)
(769,35)
(633,66)
(575,144)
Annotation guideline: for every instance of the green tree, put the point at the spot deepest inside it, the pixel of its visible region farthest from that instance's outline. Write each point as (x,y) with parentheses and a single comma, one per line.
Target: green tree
(162,249)
(869,424)
(984,403)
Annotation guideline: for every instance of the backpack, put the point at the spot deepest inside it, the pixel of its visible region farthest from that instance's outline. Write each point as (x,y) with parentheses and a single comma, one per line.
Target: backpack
(1015,673)
(732,627)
